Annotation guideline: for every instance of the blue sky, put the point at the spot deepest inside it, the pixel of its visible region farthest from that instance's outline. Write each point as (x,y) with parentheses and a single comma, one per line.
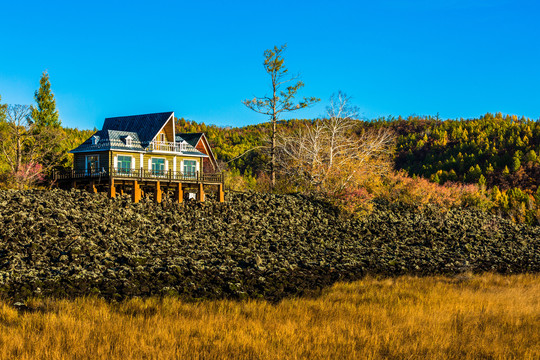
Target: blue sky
(460,58)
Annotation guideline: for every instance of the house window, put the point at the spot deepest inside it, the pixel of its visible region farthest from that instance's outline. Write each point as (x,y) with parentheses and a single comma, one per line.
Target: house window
(95,140)
(128,141)
(124,164)
(92,163)
(190,167)
(162,137)
(158,166)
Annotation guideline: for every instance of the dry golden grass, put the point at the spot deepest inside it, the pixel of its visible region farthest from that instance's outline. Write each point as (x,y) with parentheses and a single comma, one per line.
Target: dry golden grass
(479,317)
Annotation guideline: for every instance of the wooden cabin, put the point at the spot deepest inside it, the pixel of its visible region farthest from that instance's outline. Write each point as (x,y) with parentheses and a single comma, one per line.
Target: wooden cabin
(143,153)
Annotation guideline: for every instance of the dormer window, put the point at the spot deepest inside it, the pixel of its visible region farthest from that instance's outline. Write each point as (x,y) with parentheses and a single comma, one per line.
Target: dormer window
(95,139)
(128,140)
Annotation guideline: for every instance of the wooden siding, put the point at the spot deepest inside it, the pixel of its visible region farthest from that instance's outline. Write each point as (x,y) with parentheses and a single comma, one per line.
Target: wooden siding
(79,160)
(148,156)
(207,165)
(168,131)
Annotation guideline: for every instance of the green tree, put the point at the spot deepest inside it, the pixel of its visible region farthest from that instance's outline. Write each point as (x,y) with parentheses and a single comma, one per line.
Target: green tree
(45,114)
(531,156)
(482,182)
(284,88)
(48,134)
(516,163)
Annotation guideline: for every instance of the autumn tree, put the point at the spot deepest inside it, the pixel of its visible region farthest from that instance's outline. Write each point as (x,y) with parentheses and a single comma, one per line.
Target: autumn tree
(284,88)
(329,157)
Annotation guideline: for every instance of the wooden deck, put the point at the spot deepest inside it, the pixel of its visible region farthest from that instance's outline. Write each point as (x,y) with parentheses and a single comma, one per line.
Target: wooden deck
(133,180)
(142,175)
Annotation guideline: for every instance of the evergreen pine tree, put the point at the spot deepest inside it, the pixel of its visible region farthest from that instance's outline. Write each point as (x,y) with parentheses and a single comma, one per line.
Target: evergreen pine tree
(47,129)
(516,163)
(482,182)
(45,114)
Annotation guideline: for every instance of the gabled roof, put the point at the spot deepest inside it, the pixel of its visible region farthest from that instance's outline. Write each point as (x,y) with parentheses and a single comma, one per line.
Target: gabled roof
(141,128)
(191,138)
(146,126)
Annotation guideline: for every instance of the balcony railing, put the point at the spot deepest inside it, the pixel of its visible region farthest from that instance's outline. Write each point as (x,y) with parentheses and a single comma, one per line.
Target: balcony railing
(170,146)
(142,174)
(152,146)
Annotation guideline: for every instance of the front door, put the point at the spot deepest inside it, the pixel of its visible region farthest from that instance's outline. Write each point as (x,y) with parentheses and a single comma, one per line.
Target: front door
(92,164)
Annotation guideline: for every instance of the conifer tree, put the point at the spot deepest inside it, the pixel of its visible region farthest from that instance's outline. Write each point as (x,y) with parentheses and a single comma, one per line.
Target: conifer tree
(47,129)
(45,114)
(482,182)
(284,88)
(516,163)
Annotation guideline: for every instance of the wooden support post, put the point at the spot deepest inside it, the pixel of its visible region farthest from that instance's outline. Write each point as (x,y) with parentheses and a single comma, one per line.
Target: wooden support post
(158,193)
(112,189)
(136,194)
(73,184)
(200,193)
(221,193)
(179,193)
(93,188)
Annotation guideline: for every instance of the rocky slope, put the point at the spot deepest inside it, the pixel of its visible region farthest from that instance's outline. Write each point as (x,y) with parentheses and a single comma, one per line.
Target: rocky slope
(58,243)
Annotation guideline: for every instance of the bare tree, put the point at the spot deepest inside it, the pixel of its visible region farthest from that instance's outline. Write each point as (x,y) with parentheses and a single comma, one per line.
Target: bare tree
(284,88)
(14,135)
(328,156)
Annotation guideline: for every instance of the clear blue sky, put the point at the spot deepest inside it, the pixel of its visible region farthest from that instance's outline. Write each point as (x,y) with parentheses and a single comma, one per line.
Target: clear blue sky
(461,58)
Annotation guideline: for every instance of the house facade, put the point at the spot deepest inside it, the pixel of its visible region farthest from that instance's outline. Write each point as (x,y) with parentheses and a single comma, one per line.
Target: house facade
(144,149)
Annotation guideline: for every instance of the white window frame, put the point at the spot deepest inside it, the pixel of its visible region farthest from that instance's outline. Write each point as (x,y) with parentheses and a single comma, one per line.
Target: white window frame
(184,169)
(150,163)
(131,163)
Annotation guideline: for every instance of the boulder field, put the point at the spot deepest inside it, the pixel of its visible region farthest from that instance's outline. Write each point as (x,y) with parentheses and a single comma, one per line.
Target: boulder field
(72,243)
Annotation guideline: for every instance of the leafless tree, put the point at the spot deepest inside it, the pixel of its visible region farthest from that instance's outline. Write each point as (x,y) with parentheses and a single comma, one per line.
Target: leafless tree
(14,135)
(328,156)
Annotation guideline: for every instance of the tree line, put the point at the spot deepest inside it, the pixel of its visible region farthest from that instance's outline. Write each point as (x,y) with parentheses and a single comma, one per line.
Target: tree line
(491,162)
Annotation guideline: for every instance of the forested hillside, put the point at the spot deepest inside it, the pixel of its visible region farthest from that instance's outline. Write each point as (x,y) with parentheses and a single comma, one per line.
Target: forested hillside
(497,155)
(502,149)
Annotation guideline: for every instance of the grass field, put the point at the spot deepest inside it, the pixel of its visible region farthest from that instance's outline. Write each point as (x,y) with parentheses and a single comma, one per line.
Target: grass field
(472,317)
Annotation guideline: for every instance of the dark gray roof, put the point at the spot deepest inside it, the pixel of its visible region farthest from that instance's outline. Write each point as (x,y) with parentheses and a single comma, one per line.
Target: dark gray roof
(146,126)
(191,138)
(111,140)
(141,128)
